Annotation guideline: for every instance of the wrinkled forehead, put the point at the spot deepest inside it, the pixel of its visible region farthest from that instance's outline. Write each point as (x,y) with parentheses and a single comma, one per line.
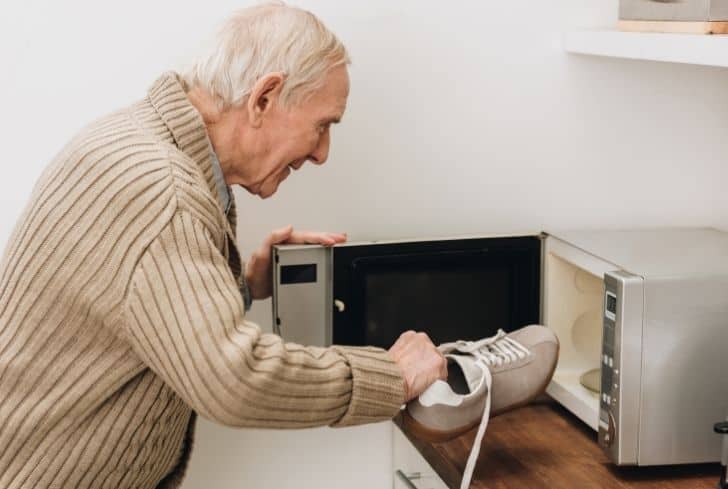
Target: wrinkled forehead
(333,93)
(339,84)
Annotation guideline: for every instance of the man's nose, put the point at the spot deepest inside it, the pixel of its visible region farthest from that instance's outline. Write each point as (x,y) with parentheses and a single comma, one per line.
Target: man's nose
(321,153)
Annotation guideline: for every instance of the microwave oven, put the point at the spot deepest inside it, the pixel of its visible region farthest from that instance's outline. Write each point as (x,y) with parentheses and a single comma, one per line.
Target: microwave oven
(641,315)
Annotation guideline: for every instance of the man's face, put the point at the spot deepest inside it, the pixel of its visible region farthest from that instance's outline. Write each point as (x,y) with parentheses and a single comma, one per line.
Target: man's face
(288,137)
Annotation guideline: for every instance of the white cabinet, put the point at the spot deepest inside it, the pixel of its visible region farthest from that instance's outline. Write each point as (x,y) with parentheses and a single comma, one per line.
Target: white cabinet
(410,469)
(355,457)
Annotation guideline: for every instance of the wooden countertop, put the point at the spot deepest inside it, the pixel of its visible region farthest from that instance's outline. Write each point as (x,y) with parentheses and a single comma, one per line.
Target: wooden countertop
(544,446)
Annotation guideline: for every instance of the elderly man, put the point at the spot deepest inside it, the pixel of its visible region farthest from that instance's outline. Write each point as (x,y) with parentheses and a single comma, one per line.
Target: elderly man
(122,292)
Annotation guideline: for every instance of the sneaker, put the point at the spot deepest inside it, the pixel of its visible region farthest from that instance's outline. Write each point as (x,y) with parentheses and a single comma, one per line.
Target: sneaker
(485,378)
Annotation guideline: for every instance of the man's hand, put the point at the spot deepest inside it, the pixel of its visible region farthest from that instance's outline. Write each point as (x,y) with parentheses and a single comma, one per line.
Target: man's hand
(420,362)
(258,270)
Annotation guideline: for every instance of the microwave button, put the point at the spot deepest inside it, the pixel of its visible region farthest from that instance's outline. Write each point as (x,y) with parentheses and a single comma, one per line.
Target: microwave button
(609,437)
(608,427)
(611,362)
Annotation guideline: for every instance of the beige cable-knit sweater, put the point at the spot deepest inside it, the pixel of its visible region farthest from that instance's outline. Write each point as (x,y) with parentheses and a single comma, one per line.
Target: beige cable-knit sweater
(121,317)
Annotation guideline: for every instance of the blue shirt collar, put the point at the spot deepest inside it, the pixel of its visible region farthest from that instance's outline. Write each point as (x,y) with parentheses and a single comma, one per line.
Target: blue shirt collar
(223,190)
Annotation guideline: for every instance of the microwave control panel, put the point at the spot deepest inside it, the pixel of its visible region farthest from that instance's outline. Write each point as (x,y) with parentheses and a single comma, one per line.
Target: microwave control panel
(609,395)
(622,318)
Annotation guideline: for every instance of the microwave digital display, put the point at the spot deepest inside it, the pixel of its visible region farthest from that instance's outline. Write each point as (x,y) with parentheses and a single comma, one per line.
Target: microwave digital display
(610,306)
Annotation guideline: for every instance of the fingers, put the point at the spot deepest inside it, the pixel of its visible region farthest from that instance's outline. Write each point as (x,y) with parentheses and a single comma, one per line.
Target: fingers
(420,361)
(313,237)
(279,236)
(401,343)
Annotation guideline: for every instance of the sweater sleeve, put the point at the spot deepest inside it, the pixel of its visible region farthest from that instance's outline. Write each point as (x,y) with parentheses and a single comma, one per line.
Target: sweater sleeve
(184,317)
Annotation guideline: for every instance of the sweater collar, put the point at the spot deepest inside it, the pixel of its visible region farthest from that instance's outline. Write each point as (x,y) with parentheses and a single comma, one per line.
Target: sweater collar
(169,99)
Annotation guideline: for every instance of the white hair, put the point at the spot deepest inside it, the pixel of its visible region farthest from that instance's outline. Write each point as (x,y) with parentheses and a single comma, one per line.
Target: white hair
(268,38)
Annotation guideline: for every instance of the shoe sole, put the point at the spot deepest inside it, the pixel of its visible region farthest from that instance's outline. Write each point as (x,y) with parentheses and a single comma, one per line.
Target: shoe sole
(438,436)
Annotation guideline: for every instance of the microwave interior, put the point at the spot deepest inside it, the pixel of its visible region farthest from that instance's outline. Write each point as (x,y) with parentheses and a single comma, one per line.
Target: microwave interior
(573,303)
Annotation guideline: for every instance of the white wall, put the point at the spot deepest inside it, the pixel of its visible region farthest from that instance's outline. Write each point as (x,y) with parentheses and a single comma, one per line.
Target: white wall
(464,117)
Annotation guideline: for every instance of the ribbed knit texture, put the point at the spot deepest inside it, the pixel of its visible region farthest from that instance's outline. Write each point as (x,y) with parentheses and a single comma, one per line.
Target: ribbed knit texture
(121,316)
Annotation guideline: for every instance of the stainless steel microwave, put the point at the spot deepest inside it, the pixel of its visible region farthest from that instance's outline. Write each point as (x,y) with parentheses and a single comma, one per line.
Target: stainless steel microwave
(641,315)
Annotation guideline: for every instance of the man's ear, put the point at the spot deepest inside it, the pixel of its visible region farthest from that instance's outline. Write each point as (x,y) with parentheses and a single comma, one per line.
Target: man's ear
(265,94)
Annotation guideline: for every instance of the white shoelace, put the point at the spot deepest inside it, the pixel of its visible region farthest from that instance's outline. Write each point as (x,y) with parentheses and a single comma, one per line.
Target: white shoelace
(496,350)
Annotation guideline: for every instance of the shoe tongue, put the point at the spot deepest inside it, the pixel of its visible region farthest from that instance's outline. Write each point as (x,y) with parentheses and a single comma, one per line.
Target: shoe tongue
(471,372)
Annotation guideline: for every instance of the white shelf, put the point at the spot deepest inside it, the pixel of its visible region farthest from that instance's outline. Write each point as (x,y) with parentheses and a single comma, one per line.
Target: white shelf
(708,50)
(567,390)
